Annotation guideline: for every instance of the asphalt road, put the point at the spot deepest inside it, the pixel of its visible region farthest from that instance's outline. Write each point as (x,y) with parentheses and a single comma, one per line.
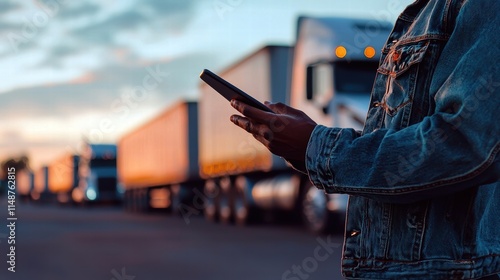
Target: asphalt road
(54,242)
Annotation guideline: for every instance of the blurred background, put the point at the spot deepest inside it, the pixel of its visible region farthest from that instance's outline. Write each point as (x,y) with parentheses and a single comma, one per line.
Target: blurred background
(109,128)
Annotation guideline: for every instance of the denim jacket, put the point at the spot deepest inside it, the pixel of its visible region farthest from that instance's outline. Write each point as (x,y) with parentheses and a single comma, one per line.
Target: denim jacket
(424,174)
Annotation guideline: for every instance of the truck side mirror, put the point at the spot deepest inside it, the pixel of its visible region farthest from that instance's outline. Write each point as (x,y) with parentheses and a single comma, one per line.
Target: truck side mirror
(319,84)
(310,82)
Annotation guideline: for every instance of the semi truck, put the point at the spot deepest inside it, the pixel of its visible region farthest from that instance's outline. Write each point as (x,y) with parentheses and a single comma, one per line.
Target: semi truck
(158,161)
(335,63)
(63,177)
(97,175)
(328,74)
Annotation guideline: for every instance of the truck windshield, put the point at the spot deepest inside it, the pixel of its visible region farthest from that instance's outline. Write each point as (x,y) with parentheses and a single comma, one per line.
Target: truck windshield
(103,162)
(354,76)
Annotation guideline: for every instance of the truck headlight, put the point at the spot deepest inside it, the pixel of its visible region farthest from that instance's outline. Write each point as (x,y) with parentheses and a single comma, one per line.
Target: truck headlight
(91,194)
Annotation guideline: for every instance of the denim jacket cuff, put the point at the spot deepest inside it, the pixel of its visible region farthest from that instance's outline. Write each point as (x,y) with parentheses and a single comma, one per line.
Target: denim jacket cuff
(318,157)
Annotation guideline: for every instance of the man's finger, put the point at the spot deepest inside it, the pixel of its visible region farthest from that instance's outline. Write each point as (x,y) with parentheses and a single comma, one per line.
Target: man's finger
(242,122)
(251,112)
(260,132)
(278,108)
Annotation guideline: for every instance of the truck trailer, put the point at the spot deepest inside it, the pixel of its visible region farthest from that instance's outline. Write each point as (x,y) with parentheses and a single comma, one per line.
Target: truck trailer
(231,161)
(158,161)
(63,177)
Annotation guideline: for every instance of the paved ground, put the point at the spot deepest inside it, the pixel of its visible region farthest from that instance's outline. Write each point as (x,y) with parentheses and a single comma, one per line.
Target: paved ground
(107,243)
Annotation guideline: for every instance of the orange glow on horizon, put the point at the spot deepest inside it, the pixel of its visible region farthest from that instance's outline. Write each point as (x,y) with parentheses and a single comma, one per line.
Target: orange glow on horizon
(84,79)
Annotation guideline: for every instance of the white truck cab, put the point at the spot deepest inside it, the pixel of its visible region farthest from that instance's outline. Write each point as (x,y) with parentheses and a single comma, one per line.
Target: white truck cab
(334,66)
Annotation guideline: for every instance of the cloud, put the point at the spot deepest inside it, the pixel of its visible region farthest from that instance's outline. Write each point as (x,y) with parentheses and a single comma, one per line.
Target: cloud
(166,16)
(105,31)
(96,92)
(177,14)
(56,54)
(173,15)
(76,29)
(6,26)
(72,13)
(60,114)
(8,6)
(14,43)
(168,6)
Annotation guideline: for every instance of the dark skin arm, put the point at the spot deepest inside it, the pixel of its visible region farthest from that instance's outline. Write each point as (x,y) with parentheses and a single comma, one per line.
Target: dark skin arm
(285,132)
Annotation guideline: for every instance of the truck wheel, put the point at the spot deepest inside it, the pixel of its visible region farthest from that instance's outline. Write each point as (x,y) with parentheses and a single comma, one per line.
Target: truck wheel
(175,199)
(134,201)
(141,200)
(211,192)
(314,210)
(138,200)
(244,213)
(225,200)
(126,201)
(131,201)
(146,200)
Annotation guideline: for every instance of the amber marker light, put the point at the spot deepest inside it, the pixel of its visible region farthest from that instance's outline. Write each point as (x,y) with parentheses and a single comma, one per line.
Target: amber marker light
(370,52)
(340,52)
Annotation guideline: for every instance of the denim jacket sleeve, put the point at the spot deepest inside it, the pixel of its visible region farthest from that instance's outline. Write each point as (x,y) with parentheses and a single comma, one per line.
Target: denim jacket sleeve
(454,147)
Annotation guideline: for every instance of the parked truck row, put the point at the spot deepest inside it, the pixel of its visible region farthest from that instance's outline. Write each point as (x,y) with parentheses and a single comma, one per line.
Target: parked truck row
(190,155)
(74,178)
(192,148)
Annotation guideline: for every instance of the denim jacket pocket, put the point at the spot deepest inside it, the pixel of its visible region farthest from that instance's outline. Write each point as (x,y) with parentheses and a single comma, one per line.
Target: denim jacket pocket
(400,68)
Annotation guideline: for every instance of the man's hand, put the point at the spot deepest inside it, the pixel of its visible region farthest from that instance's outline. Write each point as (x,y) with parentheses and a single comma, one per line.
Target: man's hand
(285,132)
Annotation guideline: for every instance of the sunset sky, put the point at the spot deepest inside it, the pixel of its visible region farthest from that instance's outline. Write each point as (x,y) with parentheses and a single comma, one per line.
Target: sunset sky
(70,68)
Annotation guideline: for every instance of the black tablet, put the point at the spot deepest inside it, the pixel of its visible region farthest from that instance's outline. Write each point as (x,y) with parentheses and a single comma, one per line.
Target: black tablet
(229,91)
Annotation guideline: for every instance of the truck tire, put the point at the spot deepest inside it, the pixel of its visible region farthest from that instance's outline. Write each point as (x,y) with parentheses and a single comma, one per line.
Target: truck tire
(210,208)
(126,201)
(140,200)
(244,210)
(134,200)
(175,199)
(226,201)
(146,198)
(315,214)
